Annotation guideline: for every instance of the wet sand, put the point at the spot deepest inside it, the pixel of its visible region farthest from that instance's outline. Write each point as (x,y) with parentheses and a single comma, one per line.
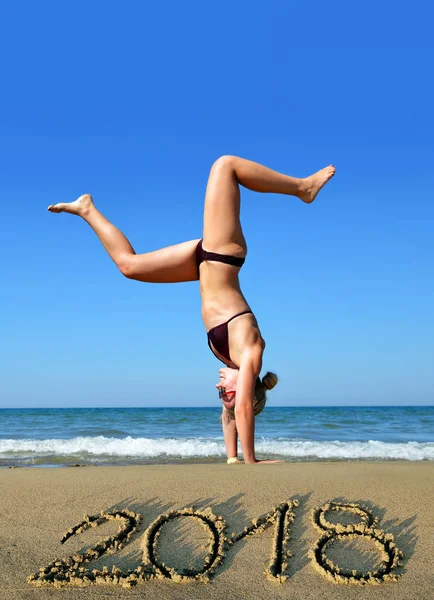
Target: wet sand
(326,530)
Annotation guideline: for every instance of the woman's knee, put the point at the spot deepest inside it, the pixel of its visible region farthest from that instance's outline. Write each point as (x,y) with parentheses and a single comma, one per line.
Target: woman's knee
(127,267)
(224,162)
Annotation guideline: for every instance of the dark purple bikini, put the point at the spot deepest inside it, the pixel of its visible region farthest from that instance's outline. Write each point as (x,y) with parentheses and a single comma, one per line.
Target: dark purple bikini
(218,336)
(203,255)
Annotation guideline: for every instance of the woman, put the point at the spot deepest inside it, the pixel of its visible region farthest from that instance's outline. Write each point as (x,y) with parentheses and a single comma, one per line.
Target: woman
(233,332)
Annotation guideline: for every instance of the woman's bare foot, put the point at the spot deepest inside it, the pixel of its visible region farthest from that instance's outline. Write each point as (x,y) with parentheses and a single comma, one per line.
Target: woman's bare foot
(310,186)
(78,207)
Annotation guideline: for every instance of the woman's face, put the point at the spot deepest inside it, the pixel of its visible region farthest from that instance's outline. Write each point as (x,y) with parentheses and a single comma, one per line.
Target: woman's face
(227,386)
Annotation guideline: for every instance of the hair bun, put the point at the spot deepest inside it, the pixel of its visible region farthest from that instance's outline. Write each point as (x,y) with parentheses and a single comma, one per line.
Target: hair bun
(270,380)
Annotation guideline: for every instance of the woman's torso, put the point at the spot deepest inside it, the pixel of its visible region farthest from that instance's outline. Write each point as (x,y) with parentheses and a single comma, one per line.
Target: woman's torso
(222,298)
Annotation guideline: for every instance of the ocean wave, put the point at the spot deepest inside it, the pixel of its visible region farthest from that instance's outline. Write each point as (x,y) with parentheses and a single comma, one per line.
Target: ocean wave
(99,447)
(115,447)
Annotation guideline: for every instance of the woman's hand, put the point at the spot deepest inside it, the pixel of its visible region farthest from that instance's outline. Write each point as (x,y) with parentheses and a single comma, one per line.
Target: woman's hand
(256,462)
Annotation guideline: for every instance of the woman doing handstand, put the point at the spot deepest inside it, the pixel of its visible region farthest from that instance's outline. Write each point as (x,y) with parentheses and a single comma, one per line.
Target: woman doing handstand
(233,332)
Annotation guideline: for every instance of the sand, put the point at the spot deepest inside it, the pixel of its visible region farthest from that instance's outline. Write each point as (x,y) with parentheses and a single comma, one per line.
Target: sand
(329,530)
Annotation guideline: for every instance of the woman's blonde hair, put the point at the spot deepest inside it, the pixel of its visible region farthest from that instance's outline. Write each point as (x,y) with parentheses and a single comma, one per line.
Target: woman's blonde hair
(268,382)
(260,398)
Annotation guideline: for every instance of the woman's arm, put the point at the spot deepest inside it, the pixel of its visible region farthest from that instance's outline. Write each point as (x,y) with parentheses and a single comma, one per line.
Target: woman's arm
(250,367)
(230,434)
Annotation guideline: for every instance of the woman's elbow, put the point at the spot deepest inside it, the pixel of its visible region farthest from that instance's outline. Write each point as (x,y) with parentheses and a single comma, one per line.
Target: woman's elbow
(243,409)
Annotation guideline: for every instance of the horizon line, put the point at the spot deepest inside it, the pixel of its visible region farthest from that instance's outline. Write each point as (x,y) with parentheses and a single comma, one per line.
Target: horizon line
(214,407)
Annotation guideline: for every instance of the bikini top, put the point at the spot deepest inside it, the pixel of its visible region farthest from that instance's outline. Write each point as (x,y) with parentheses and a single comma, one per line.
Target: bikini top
(219,338)
(203,255)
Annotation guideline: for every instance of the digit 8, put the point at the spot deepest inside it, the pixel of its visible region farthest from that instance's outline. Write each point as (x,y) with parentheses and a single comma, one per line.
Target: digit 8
(367,528)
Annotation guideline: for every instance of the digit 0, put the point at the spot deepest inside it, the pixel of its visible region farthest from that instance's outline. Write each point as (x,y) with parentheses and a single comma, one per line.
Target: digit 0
(215,527)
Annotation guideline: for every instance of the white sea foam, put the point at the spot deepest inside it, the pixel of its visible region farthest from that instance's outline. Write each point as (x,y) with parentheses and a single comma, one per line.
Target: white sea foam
(125,447)
(100,447)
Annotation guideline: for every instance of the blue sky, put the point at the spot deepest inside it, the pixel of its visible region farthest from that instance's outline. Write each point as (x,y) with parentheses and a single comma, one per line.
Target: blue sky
(132,102)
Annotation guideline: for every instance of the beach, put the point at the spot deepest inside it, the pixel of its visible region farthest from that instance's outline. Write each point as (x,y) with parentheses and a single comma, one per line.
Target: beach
(167,552)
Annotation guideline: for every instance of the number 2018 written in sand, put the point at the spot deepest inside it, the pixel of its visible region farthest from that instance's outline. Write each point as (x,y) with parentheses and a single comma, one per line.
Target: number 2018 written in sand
(70,570)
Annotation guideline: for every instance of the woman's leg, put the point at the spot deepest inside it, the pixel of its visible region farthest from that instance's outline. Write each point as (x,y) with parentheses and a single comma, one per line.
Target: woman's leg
(169,265)
(222,228)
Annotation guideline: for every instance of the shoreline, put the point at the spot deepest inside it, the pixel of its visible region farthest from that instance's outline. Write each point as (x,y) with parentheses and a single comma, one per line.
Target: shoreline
(216,461)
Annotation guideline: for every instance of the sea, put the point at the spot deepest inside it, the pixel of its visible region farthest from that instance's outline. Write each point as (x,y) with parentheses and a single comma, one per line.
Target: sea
(56,437)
